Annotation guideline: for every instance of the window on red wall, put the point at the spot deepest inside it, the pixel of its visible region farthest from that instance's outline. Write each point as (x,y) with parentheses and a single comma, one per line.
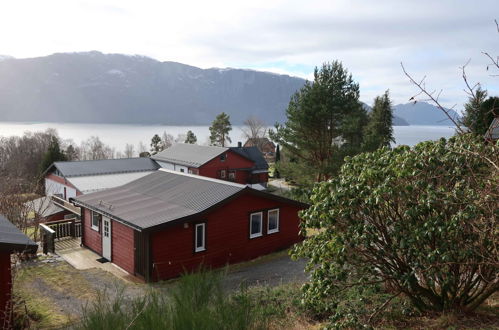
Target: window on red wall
(273,221)
(223,174)
(232,175)
(96,219)
(200,237)
(256,220)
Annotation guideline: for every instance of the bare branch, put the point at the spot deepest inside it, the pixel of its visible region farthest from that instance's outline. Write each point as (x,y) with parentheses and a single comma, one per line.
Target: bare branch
(423,90)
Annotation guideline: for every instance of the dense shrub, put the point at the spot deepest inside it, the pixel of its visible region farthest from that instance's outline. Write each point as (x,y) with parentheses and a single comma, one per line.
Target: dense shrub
(418,222)
(197,301)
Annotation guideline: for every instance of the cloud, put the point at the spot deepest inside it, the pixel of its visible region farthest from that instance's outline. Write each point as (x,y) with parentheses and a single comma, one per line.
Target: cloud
(371,38)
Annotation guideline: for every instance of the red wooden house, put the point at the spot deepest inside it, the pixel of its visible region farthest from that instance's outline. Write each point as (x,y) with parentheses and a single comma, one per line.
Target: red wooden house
(167,222)
(244,165)
(11,240)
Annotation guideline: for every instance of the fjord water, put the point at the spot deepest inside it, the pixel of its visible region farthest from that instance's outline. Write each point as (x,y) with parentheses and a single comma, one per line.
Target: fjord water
(117,135)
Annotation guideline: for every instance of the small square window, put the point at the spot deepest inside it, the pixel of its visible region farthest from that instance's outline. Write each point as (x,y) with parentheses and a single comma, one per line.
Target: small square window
(96,219)
(223,157)
(232,175)
(182,170)
(200,237)
(223,174)
(256,224)
(273,221)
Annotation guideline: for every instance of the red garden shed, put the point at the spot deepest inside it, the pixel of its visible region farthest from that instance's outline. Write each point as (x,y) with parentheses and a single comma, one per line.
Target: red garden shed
(167,222)
(11,240)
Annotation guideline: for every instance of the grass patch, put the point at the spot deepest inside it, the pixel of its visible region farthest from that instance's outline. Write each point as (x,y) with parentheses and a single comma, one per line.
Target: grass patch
(34,303)
(197,301)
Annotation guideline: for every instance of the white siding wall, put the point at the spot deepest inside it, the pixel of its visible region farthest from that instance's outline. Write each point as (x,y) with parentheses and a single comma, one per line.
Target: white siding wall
(53,188)
(173,167)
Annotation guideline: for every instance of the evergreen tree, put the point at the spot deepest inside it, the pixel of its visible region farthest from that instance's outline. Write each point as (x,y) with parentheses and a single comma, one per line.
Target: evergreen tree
(277,154)
(479,112)
(324,123)
(156,144)
(220,129)
(191,138)
(379,131)
(53,154)
(71,153)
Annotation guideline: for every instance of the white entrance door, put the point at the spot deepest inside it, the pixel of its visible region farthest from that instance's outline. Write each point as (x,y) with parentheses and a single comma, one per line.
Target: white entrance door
(106,238)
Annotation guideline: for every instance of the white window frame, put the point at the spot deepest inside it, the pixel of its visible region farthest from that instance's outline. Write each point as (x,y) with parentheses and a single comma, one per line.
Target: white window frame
(276,230)
(96,228)
(196,247)
(261,225)
(233,178)
(223,174)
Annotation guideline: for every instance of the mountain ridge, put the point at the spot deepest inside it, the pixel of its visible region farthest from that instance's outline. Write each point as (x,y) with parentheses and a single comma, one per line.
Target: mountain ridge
(92,87)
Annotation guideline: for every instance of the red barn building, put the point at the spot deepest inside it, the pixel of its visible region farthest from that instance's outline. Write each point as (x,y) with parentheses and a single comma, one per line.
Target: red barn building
(167,222)
(11,240)
(244,165)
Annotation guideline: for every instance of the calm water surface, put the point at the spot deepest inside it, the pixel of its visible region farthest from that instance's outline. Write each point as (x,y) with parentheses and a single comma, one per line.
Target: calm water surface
(117,135)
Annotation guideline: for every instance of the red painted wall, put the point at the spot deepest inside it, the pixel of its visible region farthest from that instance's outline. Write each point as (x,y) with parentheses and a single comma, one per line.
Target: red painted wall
(122,242)
(5,283)
(227,237)
(56,217)
(232,161)
(122,246)
(90,238)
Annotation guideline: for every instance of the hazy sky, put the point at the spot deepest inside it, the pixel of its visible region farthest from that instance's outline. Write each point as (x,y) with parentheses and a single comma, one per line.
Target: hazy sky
(371,38)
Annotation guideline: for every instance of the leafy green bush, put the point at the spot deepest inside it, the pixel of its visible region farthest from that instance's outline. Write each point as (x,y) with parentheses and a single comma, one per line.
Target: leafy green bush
(196,302)
(419,222)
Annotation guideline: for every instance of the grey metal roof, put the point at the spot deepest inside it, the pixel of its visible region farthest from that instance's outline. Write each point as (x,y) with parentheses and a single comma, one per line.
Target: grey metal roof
(105,166)
(252,153)
(12,239)
(493,131)
(191,155)
(92,183)
(160,197)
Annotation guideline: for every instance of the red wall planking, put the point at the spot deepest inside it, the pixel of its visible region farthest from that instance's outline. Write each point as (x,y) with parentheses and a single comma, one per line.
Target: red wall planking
(91,238)
(5,283)
(232,161)
(123,247)
(227,237)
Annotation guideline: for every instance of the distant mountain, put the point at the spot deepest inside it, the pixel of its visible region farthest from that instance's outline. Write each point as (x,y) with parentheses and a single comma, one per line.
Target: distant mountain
(397,121)
(112,88)
(422,113)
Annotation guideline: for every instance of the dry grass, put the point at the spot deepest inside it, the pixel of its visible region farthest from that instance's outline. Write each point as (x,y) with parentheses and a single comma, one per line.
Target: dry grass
(31,284)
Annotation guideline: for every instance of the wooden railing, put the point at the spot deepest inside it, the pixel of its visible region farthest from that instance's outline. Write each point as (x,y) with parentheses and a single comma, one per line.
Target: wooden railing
(47,235)
(65,228)
(57,230)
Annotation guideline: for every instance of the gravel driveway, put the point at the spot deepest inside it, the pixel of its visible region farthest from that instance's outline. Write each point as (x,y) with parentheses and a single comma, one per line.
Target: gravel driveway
(271,270)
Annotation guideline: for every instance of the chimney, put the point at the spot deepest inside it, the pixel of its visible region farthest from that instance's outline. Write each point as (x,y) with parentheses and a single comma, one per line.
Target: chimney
(239,144)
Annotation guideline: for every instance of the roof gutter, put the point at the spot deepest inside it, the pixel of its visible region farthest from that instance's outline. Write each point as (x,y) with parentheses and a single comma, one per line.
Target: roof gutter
(109,215)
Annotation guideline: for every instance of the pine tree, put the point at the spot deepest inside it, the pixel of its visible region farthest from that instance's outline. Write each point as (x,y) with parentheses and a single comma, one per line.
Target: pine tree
(191,138)
(220,129)
(156,144)
(277,154)
(71,153)
(324,124)
(53,154)
(379,130)
(480,111)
